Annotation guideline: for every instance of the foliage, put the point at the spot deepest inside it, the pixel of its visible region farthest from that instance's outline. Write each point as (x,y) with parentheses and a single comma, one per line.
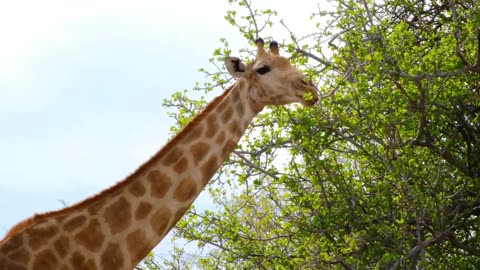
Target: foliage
(383,173)
(177,259)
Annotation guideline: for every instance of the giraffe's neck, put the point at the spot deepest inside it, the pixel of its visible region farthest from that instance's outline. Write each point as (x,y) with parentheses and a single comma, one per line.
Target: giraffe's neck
(118,227)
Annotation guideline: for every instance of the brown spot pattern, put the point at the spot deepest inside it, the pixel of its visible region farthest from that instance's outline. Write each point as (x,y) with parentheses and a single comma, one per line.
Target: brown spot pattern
(236,96)
(74,223)
(221,107)
(186,190)
(93,210)
(60,219)
(136,188)
(45,260)
(228,147)
(91,236)
(160,183)
(234,128)
(19,255)
(209,168)
(240,109)
(61,245)
(7,264)
(212,126)
(199,150)
(173,155)
(40,236)
(112,258)
(138,245)
(227,114)
(246,123)
(160,220)
(181,165)
(118,215)
(143,209)
(13,243)
(179,215)
(220,137)
(79,262)
(193,134)
(241,84)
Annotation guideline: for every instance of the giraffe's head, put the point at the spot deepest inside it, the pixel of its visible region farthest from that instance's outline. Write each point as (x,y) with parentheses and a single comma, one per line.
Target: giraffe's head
(271,79)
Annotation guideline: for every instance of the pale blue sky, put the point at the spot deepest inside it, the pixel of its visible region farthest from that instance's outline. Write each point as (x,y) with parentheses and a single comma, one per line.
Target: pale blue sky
(81,87)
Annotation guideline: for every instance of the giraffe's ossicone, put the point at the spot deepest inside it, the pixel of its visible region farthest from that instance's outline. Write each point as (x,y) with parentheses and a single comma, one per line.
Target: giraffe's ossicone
(118,227)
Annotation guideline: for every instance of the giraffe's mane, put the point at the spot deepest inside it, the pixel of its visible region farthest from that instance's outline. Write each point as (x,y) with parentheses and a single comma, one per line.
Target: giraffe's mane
(22,225)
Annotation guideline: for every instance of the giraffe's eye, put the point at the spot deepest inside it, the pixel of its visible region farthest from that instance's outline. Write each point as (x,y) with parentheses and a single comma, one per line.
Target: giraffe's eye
(263,70)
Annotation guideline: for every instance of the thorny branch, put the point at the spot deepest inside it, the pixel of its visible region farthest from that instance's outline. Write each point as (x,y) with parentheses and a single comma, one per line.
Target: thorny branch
(303,52)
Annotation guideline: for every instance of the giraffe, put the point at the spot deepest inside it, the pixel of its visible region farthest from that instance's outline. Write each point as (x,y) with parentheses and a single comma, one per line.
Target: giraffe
(118,227)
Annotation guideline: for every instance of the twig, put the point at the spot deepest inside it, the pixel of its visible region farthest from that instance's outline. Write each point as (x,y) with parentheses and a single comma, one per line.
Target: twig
(253,18)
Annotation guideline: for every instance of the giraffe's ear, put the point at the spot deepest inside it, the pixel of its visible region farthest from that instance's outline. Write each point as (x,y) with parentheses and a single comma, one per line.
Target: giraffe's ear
(235,66)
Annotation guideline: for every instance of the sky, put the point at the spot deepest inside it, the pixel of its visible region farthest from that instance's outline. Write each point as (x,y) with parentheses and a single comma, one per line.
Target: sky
(81,88)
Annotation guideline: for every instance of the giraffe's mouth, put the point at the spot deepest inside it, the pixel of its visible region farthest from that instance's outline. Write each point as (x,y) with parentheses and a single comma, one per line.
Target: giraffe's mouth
(310,103)
(308,93)
(309,98)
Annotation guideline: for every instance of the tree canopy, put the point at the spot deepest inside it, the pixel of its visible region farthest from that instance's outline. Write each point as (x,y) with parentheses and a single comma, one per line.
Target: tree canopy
(384,173)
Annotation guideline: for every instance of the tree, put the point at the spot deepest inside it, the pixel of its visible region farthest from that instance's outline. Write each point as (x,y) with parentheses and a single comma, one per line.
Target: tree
(383,173)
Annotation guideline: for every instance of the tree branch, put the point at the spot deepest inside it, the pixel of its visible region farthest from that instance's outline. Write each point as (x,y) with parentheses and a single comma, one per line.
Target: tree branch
(303,52)
(314,57)
(267,239)
(423,76)
(257,32)
(417,249)
(456,34)
(460,245)
(477,64)
(250,164)
(423,112)
(443,153)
